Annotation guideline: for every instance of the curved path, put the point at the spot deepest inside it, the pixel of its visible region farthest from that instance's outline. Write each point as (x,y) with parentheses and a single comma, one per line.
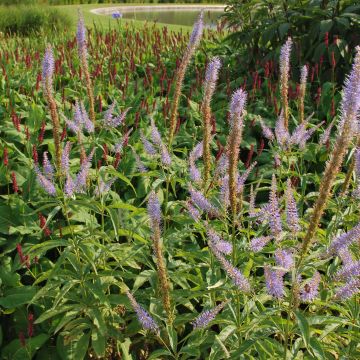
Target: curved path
(123,9)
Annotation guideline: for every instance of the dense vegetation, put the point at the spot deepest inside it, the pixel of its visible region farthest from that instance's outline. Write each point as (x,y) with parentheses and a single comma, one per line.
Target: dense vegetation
(155,207)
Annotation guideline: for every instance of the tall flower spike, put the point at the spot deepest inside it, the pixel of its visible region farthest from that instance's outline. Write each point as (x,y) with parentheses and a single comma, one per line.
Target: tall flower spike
(44,182)
(147,322)
(65,158)
(237,105)
(82,48)
(257,244)
(274,218)
(350,106)
(284,259)
(47,167)
(310,290)
(81,178)
(200,201)
(267,132)
(284,78)
(303,78)
(348,290)
(218,243)
(344,240)
(292,216)
(211,77)
(154,209)
(207,316)
(348,271)
(274,282)
(281,132)
(155,134)
(194,41)
(48,71)
(148,146)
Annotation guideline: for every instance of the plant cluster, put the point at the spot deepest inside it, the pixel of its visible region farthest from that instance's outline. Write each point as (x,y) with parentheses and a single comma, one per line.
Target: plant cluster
(128,236)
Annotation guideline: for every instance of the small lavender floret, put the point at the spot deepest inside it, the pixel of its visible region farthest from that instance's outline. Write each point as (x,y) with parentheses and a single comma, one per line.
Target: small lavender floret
(274,282)
(257,244)
(284,259)
(292,216)
(147,322)
(154,209)
(207,316)
(311,289)
(44,182)
(348,271)
(347,291)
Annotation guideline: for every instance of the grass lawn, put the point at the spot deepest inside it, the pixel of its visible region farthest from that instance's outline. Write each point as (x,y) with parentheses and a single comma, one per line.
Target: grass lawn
(105,20)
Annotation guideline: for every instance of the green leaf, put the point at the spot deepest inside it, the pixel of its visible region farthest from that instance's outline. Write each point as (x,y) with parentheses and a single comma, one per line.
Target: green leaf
(98,343)
(159,354)
(19,296)
(317,348)
(304,327)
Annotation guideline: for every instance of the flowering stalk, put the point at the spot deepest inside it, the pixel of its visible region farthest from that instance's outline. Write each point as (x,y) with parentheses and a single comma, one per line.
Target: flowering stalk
(284,78)
(303,77)
(348,125)
(180,74)
(211,76)
(82,48)
(48,66)
(154,212)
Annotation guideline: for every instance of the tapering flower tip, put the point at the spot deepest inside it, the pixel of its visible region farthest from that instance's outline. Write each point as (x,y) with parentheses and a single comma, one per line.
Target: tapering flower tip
(81,178)
(348,271)
(81,33)
(65,158)
(104,186)
(346,256)
(285,57)
(267,132)
(274,215)
(44,182)
(222,165)
(48,66)
(207,316)
(257,244)
(274,282)
(195,174)
(237,104)
(47,167)
(281,133)
(148,146)
(139,164)
(78,118)
(200,201)
(350,103)
(165,155)
(197,152)
(147,322)
(154,209)
(284,259)
(347,291)
(241,179)
(357,163)
(303,75)
(311,289)
(212,73)
(344,240)
(325,136)
(193,211)
(69,187)
(197,31)
(292,216)
(218,243)
(155,134)
(87,123)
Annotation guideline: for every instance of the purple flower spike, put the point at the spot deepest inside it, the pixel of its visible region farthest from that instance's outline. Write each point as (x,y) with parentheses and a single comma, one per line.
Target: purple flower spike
(155,134)
(325,136)
(257,244)
(285,56)
(165,156)
(284,259)
(193,212)
(281,133)
(347,291)
(274,282)
(81,178)
(207,316)
(148,146)
(310,291)
(237,103)
(88,124)
(81,34)
(303,74)
(104,187)
(47,167)
(195,175)
(200,201)
(211,76)
(69,186)
(139,164)
(48,66)
(65,158)
(197,151)
(348,271)
(292,216)
(45,183)
(218,243)
(196,34)
(147,322)
(154,209)
(274,216)
(267,132)
(344,240)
